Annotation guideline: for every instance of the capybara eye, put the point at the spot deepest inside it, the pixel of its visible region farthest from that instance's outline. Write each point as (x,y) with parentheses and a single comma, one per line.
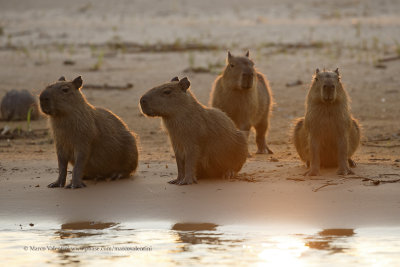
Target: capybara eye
(65,90)
(232,65)
(167,92)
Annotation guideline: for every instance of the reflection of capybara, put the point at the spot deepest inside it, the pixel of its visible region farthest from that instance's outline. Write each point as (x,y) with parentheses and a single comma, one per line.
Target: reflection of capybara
(244,95)
(94,140)
(328,135)
(205,141)
(16,104)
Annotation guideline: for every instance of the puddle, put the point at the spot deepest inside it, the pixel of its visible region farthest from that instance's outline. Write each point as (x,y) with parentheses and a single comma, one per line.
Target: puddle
(171,244)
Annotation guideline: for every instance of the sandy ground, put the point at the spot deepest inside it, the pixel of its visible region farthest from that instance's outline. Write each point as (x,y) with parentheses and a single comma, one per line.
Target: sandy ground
(287,42)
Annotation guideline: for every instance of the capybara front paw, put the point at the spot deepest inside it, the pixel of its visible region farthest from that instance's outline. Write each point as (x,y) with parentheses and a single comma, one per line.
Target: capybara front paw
(261,151)
(229,175)
(344,171)
(352,163)
(56,184)
(312,172)
(186,181)
(175,181)
(264,150)
(117,176)
(76,185)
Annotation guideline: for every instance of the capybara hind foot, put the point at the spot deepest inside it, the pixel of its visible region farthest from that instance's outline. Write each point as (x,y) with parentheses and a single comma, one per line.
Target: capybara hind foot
(352,163)
(312,172)
(264,150)
(187,180)
(229,175)
(344,171)
(117,176)
(56,184)
(75,185)
(175,181)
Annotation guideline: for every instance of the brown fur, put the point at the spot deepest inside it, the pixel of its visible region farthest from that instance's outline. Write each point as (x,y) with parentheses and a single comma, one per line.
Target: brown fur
(245,96)
(328,135)
(205,140)
(94,140)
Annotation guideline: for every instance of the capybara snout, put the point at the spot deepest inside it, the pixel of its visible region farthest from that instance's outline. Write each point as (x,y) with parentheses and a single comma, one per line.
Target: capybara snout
(144,106)
(328,92)
(45,102)
(247,79)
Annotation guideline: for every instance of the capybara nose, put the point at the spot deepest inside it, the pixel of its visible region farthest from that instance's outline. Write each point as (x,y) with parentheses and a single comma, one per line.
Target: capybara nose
(329,87)
(248,76)
(44,97)
(143,100)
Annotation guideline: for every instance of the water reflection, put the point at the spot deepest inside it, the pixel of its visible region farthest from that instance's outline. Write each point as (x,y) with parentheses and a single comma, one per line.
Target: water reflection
(325,240)
(196,233)
(79,229)
(77,238)
(197,244)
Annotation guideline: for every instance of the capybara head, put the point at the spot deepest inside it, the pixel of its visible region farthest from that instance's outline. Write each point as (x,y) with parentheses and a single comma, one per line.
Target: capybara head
(239,72)
(328,84)
(167,99)
(61,97)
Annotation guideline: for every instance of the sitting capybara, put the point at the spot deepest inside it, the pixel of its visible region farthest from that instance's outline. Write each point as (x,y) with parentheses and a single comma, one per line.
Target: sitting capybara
(16,104)
(94,140)
(244,95)
(205,141)
(328,135)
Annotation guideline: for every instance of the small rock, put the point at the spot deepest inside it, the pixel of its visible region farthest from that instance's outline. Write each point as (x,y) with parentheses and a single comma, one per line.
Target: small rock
(295,83)
(380,66)
(69,62)
(16,104)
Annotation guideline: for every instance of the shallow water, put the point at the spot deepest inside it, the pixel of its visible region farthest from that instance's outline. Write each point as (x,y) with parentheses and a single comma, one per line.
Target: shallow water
(161,243)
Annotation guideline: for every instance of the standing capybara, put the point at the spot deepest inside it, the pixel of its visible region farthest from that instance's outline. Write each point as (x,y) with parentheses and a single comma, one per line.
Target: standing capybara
(16,105)
(328,135)
(205,141)
(94,140)
(244,95)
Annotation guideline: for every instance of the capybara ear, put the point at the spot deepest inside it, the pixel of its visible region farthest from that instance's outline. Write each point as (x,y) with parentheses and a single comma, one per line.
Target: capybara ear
(175,79)
(229,56)
(317,71)
(247,53)
(77,82)
(61,79)
(184,84)
(337,71)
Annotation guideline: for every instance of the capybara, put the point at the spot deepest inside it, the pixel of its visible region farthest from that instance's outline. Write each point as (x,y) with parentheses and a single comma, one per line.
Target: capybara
(244,95)
(205,141)
(94,140)
(16,105)
(328,135)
